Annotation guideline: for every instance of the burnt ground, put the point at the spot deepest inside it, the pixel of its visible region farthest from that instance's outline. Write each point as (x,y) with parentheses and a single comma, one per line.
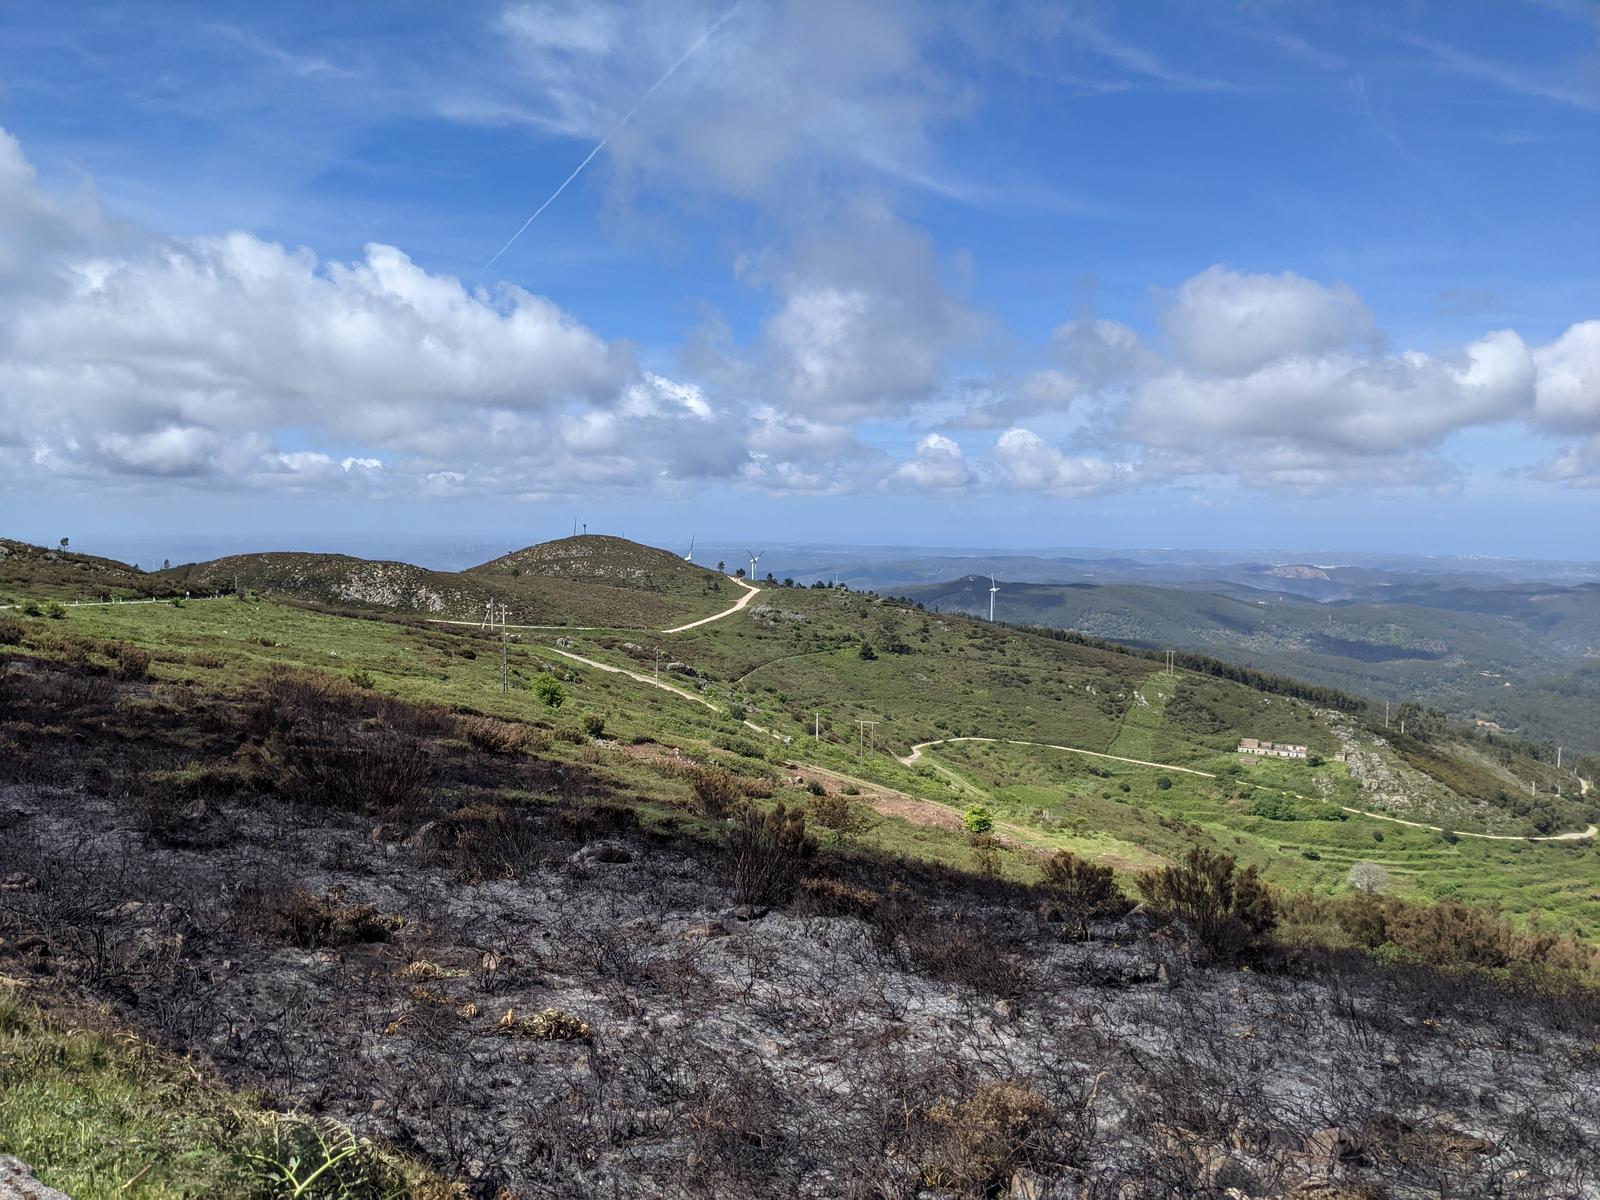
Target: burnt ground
(501,969)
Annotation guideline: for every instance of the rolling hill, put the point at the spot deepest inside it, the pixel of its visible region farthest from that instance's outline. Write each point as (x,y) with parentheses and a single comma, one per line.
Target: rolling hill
(587,580)
(41,573)
(1524,657)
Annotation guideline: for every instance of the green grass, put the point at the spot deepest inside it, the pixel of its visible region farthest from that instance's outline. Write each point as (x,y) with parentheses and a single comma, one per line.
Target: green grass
(1561,881)
(101,1114)
(93,1112)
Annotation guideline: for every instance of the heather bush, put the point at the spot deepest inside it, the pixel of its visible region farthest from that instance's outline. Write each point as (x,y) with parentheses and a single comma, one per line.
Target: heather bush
(494,736)
(128,662)
(1081,890)
(715,790)
(770,852)
(844,818)
(984,1140)
(1227,911)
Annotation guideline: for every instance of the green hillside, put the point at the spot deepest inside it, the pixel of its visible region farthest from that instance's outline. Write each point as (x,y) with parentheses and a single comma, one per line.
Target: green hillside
(1526,658)
(575,581)
(42,573)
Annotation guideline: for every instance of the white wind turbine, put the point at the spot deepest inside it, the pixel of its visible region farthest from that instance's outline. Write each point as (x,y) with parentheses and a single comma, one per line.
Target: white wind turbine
(689,557)
(754,559)
(993,588)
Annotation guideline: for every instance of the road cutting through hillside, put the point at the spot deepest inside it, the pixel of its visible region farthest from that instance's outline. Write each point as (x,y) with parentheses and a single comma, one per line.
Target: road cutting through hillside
(916,753)
(913,808)
(750,592)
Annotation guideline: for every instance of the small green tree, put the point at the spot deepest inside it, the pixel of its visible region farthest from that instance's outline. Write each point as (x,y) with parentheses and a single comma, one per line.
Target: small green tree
(548,688)
(978,819)
(867,652)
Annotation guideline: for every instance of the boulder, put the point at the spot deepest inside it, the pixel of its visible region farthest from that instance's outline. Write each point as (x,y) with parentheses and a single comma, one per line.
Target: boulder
(431,835)
(1333,1144)
(602,852)
(17,1182)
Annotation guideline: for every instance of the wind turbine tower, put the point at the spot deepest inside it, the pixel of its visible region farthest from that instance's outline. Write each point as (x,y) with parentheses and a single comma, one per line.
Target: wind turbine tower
(754,559)
(993,588)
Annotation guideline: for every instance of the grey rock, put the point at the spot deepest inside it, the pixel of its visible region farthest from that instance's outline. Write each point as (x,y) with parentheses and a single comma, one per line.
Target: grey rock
(17,1182)
(603,852)
(430,835)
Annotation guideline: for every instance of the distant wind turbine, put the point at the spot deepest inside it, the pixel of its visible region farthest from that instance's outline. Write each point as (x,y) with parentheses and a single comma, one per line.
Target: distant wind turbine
(993,588)
(689,557)
(754,559)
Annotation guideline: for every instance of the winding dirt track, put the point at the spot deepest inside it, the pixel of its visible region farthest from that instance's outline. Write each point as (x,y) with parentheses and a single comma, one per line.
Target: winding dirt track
(750,593)
(1576,835)
(921,808)
(916,753)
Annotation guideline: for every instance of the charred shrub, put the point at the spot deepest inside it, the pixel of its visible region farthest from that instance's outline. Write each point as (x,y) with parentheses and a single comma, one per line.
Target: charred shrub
(495,737)
(835,898)
(734,1123)
(716,790)
(906,932)
(494,842)
(322,763)
(770,852)
(128,662)
(311,922)
(1081,890)
(1228,912)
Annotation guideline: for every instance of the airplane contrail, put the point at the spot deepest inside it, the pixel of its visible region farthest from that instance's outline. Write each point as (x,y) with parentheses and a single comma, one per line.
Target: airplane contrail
(626,117)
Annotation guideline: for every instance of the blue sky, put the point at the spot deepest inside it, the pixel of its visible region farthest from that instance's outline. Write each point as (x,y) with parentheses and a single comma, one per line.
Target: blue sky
(1268,274)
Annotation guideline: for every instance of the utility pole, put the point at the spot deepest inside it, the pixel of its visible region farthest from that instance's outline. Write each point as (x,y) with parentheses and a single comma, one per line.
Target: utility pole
(816,730)
(505,653)
(658,666)
(1386,714)
(866,737)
